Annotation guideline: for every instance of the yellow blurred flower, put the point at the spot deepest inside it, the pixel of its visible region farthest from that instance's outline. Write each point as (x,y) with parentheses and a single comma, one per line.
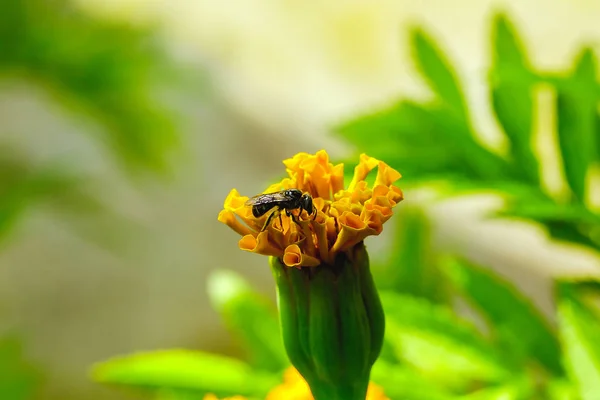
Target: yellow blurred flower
(344,217)
(294,387)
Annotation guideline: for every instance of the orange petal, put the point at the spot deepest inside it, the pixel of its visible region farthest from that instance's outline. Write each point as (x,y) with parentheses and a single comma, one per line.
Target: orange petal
(259,244)
(320,229)
(352,231)
(293,257)
(228,218)
(319,203)
(395,195)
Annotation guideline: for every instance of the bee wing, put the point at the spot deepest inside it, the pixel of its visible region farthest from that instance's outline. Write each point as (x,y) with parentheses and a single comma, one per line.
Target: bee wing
(267,198)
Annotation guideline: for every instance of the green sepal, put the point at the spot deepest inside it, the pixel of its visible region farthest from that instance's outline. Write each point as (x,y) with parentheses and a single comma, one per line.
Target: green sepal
(332,323)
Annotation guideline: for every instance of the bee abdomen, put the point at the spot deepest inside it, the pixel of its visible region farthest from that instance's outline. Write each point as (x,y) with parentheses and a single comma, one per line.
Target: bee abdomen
(260,209)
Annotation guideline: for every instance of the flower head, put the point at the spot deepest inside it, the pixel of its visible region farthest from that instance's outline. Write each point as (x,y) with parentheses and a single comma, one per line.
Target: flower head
(344,217)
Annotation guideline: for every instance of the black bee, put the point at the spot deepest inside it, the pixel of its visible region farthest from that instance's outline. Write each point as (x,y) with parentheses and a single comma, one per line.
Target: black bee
(288,200)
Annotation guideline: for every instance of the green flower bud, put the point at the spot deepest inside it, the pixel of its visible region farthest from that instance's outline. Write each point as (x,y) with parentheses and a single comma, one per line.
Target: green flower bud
(332,323)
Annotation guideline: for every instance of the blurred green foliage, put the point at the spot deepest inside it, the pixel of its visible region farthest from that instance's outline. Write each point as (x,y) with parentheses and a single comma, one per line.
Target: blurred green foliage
(110,71)
(107,69)
(509,350)
(18,379)
(436,140)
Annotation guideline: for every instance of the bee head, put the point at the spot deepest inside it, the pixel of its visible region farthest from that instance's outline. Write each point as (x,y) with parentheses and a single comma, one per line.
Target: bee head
(306,203)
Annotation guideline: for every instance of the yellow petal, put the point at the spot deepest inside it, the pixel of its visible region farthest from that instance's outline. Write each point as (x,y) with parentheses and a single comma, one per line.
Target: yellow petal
(234,201)
(320,228)
(352,231)
(365,165)
(228,217)
(293,257)
(337,178)
(286,183)
(321,181)
(260,244)
(386,175)
(294,162)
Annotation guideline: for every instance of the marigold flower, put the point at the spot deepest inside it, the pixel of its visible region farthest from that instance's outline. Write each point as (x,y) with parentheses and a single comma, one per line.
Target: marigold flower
(344,217)
(332,321)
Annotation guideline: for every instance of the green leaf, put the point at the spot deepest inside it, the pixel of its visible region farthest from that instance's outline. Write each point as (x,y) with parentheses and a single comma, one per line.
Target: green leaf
(402,382)
(104,68)
(544,209)
(561,389)
(518,390)
(411,269)
(22,186)
(511,83)
(187,395)
(577,122)
(570,222)
(437,70)
(425,140)
(510,315)
(185,370)
(251,317)
(508,50)
(438,344)
(18,380)
(580,333)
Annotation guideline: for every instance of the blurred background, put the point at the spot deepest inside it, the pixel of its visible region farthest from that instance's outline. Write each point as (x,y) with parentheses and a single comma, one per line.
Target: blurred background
(124,124)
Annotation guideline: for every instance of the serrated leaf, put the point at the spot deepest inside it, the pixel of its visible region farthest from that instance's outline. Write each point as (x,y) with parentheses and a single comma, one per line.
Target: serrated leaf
(514,319)
(423,140)
(508,50)
(541,208)
(438,344)
(250,317)
(570,222)
(411,268)
(579,332)
(511,83)
(577,122)
(437,70)
(185,370)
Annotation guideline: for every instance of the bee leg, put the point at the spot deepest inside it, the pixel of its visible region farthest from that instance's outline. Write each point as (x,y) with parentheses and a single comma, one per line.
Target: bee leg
(292,216)
(276,212)
(280,221)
